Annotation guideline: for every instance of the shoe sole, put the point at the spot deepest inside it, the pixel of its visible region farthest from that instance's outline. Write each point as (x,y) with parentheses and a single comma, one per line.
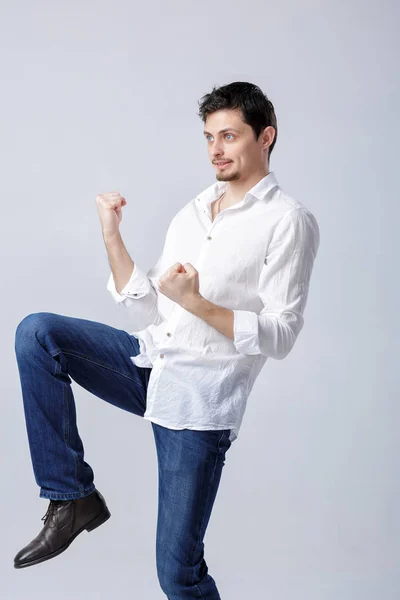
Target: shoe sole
(96,522)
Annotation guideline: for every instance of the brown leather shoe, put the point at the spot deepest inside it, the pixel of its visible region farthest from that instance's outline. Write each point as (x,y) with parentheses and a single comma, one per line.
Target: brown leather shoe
(63,521)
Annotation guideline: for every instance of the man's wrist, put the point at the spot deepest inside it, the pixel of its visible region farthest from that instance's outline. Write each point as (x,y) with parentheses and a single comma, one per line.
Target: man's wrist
(196,305)
(112,239)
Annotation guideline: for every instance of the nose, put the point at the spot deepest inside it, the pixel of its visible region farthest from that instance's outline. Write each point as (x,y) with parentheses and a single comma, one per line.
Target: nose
(217,149)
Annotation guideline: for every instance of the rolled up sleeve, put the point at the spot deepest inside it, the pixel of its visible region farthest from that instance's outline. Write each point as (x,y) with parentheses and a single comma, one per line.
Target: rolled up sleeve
(140,294)
(137,287)
(283,288)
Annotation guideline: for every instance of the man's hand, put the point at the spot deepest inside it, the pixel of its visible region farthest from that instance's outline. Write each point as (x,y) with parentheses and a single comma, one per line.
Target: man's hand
(109,208)
(180,283)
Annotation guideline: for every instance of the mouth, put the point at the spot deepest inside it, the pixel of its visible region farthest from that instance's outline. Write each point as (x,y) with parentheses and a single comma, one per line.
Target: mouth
(222,165)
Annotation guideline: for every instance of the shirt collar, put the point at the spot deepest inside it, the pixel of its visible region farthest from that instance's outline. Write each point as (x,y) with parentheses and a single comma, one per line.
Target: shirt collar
(259,191)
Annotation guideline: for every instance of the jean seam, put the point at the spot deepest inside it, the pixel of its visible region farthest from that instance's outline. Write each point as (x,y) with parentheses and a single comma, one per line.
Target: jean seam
(79,486)
(66,432)
(204,507)
(77,355)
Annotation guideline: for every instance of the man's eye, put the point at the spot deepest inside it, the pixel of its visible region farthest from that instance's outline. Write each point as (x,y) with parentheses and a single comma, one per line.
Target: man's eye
(208,136)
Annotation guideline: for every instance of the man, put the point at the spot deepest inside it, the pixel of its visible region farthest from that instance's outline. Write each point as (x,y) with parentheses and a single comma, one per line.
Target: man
(228,291)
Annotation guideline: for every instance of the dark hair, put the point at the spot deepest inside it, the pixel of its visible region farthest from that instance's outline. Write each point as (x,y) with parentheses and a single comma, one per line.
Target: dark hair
(256,109)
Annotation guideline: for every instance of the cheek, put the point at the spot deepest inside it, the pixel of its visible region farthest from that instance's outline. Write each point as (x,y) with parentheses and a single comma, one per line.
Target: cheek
(249,159)
(242,155)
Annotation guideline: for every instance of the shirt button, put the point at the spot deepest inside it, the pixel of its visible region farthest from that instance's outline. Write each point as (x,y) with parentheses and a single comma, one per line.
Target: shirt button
(209,237)
(161,355)
(265,261)
(168,334)
(135,294)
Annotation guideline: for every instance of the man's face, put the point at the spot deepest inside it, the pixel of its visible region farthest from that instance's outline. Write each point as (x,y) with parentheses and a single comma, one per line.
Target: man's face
(230,139)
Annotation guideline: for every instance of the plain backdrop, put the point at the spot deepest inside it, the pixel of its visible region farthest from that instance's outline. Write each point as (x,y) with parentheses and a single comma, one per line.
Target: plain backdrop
(103,96)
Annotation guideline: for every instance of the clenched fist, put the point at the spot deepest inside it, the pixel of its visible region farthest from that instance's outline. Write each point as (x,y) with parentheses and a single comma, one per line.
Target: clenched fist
(180,283)
(109,207)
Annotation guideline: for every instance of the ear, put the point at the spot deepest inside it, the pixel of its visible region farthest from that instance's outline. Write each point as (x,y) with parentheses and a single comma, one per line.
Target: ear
(268,135)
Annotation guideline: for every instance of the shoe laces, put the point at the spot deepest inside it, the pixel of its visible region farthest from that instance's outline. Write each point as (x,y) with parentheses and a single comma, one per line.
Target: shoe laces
(51,513)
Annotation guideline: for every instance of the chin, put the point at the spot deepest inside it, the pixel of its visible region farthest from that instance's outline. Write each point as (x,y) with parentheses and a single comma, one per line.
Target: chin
(227,176)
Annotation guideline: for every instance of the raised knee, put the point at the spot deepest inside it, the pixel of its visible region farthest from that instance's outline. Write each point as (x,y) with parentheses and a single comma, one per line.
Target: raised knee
(30,325)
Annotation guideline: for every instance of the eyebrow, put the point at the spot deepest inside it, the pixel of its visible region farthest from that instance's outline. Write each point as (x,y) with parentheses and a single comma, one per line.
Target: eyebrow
(223,130)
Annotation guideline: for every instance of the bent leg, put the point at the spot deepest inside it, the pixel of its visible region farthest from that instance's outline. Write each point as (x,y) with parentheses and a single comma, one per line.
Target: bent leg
(190,464)
(52,349)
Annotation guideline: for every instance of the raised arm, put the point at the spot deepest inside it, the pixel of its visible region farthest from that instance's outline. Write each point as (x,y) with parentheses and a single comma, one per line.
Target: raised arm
(128,284)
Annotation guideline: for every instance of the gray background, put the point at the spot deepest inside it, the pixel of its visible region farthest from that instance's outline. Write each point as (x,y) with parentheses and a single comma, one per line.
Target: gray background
(102,96)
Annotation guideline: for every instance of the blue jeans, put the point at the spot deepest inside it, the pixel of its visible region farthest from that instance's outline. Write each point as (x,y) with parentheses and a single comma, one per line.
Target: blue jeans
(52,349)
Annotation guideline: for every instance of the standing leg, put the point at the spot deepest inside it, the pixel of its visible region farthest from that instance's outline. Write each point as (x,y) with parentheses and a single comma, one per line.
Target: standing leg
(190,464)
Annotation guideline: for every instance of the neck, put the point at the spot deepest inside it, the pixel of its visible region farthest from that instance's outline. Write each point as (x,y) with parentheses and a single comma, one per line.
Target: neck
(236,190)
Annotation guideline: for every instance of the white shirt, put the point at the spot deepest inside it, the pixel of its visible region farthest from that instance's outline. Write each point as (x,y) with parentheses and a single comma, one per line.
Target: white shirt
(256,259)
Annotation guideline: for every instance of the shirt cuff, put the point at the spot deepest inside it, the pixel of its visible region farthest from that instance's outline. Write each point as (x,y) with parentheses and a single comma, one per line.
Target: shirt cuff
(245,330)
(137,286)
